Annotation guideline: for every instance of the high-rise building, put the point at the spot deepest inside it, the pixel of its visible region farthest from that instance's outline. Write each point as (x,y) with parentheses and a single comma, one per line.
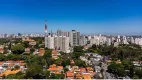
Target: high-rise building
(46,35)
(125,40)
(78,37)
(61,43)
(49,43)
(118,39)
(132,40)
(65,44)
(74,38)
(65,33)
(83,40)
(59,32)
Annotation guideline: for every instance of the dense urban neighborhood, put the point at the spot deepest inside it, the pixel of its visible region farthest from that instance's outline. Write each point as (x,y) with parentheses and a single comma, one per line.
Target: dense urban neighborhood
(59,56)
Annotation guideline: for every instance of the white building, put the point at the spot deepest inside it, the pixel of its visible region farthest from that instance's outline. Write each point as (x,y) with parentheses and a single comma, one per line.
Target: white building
(61,43)
(125,40)
(74,38)
(65,44)
(83,40)
(118,39)
(138,41)
(98,40)
(49,42)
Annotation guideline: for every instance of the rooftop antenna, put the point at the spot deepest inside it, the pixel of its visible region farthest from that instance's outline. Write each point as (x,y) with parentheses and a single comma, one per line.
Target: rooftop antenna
(45,27)
(51,33)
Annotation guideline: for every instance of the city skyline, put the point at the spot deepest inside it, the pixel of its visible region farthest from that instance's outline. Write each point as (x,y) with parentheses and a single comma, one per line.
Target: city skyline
(93,16)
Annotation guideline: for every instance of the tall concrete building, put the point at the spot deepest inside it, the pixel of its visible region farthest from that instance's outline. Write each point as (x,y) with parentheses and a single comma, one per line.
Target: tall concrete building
(61,43)
(83,40)
(118,39)
(74,38)
(59,32)
(132,40)
(66,33)
(78,38)
(125,40)
(65,44)
(46,35)
(49,42)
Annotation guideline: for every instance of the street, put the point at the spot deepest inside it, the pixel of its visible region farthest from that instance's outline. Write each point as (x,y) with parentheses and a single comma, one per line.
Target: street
(105,73)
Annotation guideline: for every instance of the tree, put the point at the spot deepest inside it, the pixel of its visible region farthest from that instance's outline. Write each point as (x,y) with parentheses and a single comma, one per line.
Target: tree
(76,55)
(80,63)
(117,69)
(94,46)
(32,50)
(13,57)
(66,69)
(18,49)
(34,71)
(131,74)
(65,62)
(53,76)
(57,76)
(26,44)
(12,76)
(16,67)
(2,57)
(47,58)
(78,49)
(138,72)
(46,74)
(19,75)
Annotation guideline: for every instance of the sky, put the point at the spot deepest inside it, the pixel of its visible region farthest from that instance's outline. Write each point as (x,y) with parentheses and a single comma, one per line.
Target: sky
(86,16)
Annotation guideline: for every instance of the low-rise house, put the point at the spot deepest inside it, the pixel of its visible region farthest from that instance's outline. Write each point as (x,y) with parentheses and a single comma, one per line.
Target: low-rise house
(27,39)
(108,61)
(83,70)
(9,71)
(41,51)
(78,76)
(1,63)
(72,62)
(11,66)
(80,73)
(137,64)
(32,43)
(69,75)
(83,59)
(8,67)
(1,68)
(55,69)
(97,69)
(19,61)
(55,54)
(1,50)
(85,47)
(36,51)
(118,62)
(22,65)
(89,69)
(92,74)
(86,76)
(27,50)
(75,69)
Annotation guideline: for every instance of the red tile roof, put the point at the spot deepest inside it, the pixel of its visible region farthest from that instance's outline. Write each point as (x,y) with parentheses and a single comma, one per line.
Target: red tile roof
(54,51)
(69,74)
(86,76)
(89,69)
(82,69)
(1,63)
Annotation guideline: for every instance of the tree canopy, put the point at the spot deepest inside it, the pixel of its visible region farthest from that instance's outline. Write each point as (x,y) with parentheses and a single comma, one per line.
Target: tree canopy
(18,49)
